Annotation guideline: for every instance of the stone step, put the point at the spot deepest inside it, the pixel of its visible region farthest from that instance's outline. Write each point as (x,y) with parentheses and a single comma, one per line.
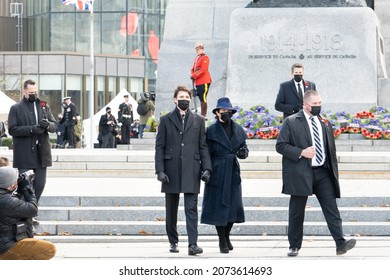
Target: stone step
(97,200)
(345,142)
(158,228)
(157,213)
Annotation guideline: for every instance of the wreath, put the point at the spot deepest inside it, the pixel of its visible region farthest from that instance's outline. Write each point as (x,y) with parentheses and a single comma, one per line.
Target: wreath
(386,134)
(371,128)
(372,132)
(267,132)
(364,115)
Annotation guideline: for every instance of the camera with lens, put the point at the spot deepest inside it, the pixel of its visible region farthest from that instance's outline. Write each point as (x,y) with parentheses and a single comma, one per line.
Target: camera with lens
(29,175)
(152,95)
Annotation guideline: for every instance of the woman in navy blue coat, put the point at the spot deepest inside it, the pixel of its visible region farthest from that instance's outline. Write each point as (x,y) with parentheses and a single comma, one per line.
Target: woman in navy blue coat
(222,200)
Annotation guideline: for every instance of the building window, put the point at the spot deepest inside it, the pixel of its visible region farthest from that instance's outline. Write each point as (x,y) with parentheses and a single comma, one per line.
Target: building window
(50,89)
(73,89)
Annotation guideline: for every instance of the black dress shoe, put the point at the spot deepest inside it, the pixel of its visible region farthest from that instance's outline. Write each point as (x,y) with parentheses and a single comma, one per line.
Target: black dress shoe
(293,252)
(194,250)
(173,248)
(348,245)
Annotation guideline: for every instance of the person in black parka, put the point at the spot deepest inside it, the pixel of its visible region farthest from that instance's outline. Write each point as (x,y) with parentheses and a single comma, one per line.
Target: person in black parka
(222,200)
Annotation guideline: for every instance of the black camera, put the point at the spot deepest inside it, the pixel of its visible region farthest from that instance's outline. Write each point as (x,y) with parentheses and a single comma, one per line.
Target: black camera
(28,175)
(152,95)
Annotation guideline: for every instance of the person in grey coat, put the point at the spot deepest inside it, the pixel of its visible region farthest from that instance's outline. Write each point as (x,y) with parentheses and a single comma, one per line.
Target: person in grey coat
(181,160)
(222,199)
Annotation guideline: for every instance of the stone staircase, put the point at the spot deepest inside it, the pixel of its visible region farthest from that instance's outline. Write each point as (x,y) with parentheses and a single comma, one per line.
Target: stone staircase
(76,205)
(144,215)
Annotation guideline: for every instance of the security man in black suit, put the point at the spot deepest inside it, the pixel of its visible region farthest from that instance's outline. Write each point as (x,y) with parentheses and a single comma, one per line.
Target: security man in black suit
(310,167)
(290,96)
(182,159)
(125,116)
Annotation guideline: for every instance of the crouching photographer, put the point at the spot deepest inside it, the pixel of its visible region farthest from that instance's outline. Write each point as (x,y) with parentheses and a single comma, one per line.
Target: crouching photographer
(17,208)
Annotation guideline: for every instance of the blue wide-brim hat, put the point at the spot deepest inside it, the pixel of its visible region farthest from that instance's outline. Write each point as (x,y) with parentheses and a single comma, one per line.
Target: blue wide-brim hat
(224,103)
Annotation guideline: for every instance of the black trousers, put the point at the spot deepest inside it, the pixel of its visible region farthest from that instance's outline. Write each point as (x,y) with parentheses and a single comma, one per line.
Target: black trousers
(69,134)
(324,191)
(191,213)
(39,181)
(125,132)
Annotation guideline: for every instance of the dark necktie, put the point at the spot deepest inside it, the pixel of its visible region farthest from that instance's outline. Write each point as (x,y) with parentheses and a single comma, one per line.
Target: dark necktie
(183,118)
(317,141)
(300,93)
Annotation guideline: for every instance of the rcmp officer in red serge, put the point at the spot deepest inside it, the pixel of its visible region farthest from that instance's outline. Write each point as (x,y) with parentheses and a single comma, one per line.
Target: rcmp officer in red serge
(201,77)
(310,167)
(182,159)
(125,116)
(69,117)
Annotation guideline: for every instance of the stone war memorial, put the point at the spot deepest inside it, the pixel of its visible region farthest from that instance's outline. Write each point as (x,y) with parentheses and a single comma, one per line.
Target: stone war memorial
(338,42)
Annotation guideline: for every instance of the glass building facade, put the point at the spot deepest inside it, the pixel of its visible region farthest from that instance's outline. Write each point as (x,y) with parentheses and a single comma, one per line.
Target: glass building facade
(126,39)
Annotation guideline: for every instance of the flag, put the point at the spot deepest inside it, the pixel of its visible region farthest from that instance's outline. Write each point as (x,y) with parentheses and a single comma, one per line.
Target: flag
(83,5)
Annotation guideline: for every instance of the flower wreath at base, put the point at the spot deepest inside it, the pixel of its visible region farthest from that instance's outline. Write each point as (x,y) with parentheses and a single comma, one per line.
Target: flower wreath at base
(267,133)
(386,134)
(372,132)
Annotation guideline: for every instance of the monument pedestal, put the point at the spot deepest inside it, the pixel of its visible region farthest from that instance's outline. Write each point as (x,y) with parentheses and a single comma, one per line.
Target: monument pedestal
(339,57)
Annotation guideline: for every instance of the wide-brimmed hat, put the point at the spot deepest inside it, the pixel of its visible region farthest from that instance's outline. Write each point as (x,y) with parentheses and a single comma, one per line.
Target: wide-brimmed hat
(224,103)
(8,176)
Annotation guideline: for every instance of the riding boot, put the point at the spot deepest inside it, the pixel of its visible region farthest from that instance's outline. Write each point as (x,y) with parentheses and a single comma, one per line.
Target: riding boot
(228,228)
(223,247)
(203,109)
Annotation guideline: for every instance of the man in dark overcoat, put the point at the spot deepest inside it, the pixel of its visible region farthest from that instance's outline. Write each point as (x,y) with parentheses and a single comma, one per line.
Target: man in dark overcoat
(310,167)
(107,126)
(182,159)
(29,122)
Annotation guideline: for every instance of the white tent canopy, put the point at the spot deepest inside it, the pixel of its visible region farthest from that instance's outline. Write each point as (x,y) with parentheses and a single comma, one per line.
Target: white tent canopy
(114,105)
(5,105)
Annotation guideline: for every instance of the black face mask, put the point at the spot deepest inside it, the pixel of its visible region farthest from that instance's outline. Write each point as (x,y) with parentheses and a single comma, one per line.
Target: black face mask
(226,116)
(315,110)
(183,104)
(298,78)
(32,98)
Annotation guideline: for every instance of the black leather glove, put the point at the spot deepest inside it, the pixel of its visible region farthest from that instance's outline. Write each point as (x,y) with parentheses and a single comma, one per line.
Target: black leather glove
(242,153)
(297,108)
(36,129)
(206,176)
(162,177)
(44,123)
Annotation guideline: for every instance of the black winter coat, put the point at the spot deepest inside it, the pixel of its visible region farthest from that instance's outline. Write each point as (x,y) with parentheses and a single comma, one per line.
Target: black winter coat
(297,172)
(222,199)
(105,128)
(14,210)
(181,154)
(21,120)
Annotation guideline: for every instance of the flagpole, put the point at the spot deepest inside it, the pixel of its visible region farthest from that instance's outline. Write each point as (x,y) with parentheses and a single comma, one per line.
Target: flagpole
(91,92)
